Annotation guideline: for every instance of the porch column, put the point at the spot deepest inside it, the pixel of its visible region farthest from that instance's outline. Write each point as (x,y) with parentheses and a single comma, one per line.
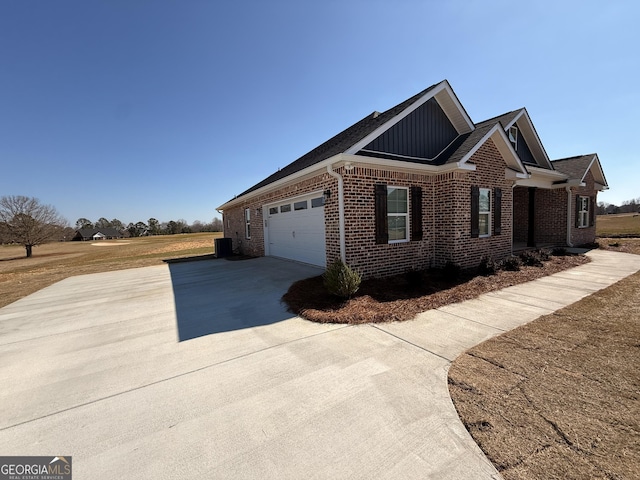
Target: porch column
(531,230)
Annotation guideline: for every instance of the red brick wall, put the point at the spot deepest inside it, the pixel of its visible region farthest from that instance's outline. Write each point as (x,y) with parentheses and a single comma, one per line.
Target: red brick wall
(581,236)
(362,252)
(456,243)
(520,214)
(551,217)
(446,217)
(233,218)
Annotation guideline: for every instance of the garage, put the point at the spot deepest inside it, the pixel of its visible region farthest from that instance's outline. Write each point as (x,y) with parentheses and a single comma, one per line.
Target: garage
(295,229)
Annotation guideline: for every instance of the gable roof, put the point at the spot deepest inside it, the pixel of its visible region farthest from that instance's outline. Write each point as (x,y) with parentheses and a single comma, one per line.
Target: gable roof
(340,142)
(576,168)
(470,137)
(522,120)
(90,232)
(361,133)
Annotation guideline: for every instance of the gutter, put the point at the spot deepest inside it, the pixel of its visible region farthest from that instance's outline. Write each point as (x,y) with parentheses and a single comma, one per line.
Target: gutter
(569,210)
(337,176)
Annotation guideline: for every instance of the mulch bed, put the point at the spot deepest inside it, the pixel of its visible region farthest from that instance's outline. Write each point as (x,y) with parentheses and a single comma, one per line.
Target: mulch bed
(402,297)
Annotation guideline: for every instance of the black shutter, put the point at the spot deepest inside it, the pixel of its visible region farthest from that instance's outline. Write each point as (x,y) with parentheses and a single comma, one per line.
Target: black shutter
(382,231)
(497,211)
(416,214)
(475,211)
(592,211)
(577,211)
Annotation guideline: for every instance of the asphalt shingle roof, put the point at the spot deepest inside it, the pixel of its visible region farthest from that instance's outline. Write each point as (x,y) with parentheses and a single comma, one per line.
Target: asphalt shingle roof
(574,167)
(339,143)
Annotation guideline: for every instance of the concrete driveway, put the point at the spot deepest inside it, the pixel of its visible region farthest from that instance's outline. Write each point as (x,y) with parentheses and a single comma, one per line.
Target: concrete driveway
(195,370)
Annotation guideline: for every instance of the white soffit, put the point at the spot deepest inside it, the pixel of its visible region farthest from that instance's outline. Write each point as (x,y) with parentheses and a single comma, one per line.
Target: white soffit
(454,110)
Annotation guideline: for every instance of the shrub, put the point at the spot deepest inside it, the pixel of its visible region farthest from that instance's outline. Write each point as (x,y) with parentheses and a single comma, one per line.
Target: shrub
(545,254)
(559,252)
(511,264)
(531,258)
(488,266)
(451,271)
(341,280)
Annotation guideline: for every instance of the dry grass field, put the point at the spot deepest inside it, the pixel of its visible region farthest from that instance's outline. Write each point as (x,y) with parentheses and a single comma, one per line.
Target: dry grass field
(52,262)
(624,224)
(558,398)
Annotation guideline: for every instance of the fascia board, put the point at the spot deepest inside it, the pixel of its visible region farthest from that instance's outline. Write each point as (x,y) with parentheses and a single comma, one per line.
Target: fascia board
(543,172)
(401,165)
(283,181)
(534,182)
(511,174)
(343,158)
(595,164)
(461,110)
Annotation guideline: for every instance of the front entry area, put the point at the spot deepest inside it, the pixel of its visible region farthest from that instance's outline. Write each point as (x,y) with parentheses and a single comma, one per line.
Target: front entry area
(294,229)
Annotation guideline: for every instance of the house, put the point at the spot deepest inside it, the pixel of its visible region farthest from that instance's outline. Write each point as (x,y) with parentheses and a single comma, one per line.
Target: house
(85,234)
(417,186)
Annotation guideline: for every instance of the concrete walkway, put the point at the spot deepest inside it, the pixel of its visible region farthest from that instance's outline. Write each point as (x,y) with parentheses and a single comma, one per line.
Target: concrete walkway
(195,370)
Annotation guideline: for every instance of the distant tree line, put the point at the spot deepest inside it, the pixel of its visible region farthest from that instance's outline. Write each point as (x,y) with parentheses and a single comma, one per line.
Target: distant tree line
(628,206)
(152,227)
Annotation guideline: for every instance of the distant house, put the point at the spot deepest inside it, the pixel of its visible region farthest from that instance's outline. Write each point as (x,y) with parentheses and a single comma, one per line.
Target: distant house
(417,186)
(90,234)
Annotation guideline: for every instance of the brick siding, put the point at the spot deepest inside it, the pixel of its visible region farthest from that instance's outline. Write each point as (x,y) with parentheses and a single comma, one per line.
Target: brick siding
(446,217)
(582,236)
(550,219)
(234,224)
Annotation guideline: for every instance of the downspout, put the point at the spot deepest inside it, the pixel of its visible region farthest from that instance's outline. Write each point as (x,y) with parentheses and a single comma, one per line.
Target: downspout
(569,210)
(343,255)
(513,216)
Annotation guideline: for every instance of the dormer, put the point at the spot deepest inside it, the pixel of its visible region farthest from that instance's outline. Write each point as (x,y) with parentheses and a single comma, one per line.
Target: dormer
(525,141)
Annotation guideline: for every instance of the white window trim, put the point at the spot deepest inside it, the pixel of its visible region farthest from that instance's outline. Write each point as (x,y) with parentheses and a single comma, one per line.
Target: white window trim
(247,223)
(583,219)
(513,129)
(488,213)
(406,215)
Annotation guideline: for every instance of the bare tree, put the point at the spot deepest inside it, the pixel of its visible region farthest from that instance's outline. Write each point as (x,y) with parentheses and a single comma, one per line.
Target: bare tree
(29,222)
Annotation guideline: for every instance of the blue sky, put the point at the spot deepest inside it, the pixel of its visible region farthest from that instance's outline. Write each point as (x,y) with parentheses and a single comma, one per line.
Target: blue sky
(136,109)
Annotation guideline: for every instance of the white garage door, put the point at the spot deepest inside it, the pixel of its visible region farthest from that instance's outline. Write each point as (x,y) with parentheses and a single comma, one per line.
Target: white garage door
(295,230)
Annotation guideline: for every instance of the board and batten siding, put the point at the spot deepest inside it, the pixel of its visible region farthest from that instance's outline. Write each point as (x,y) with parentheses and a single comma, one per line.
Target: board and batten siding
(424,133)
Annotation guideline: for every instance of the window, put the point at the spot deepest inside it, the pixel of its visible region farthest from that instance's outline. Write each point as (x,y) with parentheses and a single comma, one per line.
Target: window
(247,223)
(583,212)
(273,210)
(392,214)
(300,205)
(513,136)
(484,213)
(285,208)
(317,202)
(397,214)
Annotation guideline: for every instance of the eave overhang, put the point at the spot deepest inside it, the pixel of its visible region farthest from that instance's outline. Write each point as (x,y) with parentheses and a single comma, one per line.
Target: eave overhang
(349,161)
